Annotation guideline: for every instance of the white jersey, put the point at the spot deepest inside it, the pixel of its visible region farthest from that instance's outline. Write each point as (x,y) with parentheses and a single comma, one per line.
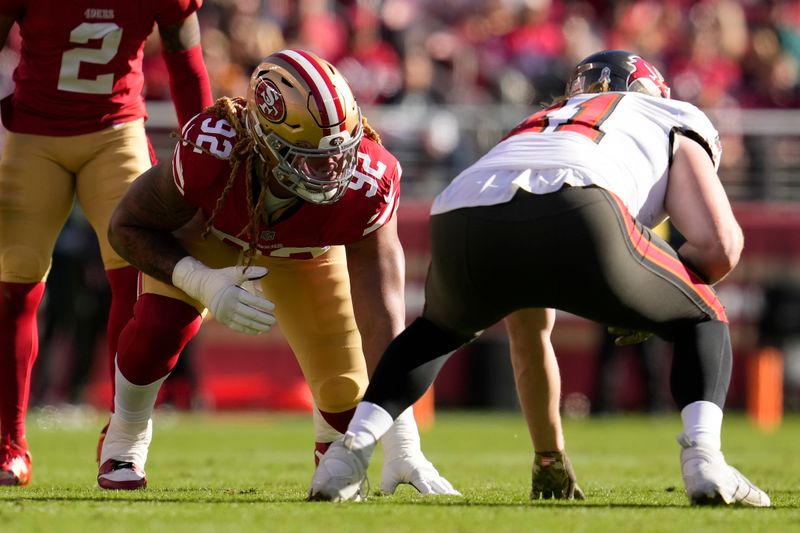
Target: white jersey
(620,141)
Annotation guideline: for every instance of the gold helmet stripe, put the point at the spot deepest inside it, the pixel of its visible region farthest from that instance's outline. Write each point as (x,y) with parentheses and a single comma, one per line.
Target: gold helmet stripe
(321,87)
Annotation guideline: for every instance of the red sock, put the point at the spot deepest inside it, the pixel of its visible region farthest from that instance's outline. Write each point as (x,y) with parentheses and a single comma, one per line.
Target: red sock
(150,344)
(337,421)
(124,284)
(19,345)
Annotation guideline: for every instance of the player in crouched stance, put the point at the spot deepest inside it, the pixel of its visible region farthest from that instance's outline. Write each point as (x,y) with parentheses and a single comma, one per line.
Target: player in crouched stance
(557,215)
(290,189)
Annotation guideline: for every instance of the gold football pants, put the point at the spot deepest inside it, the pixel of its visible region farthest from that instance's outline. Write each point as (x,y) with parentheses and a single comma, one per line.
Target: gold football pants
(313,308)
(39,178)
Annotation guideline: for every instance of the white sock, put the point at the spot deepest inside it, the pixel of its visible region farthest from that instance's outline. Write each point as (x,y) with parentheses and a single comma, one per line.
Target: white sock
(131,428)
(702,422)
(134,403)
(323,432)
(402,439)
(368,425)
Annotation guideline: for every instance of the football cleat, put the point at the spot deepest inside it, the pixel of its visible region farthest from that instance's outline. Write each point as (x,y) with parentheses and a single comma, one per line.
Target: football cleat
(418,472)
(341,475)
(709,480)
(121,475)
(15,464)
(124,454)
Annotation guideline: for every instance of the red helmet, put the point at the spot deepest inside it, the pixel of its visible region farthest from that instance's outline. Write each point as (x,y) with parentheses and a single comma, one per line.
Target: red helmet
(619,71)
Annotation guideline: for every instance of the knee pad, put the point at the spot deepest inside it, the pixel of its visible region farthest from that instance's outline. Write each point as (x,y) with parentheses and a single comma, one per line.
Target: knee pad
(336,394)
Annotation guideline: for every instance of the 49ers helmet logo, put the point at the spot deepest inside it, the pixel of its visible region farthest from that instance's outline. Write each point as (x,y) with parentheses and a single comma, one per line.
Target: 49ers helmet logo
(270,101)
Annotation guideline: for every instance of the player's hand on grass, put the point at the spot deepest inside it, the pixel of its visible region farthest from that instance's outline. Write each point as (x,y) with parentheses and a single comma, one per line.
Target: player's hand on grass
(627,336)
(553,477)
(418,472)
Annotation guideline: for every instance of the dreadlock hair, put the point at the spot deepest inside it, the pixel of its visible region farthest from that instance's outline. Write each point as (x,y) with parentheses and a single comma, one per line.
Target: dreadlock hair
(231,110)
(370,133)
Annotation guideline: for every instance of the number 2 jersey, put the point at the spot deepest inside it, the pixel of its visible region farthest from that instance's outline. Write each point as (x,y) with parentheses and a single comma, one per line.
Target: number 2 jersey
(620,141)
(306,230)
(80,67)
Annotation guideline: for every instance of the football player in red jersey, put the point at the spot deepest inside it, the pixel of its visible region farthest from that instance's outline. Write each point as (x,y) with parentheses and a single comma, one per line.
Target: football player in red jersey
(291,189)
(76,128)
(558,215)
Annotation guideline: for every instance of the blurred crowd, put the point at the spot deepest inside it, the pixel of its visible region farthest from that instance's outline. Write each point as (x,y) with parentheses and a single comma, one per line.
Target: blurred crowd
(452,66)
(715,52)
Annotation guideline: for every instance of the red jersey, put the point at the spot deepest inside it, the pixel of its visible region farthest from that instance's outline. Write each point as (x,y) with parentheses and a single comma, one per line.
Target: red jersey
(80,67)
(307,229)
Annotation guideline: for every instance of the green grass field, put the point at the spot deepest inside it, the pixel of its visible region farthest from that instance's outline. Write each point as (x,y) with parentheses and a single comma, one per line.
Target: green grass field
(212,473)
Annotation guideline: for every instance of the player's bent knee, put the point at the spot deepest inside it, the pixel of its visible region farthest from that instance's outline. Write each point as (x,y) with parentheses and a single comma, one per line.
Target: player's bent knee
(338,393)
(160,325)
(22,264)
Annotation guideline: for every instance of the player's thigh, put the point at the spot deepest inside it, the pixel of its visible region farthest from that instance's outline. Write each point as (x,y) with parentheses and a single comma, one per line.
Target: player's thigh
(36,196)
(626,275)
(455,299)
(121,155)
(314,310)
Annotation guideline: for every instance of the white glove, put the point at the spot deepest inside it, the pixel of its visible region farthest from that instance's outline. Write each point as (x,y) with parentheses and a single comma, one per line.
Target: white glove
(418,472)
(404,461)
(221,292)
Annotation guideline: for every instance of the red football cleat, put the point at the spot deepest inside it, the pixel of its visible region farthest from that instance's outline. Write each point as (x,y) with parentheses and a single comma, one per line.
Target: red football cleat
(15,464)
(121,475)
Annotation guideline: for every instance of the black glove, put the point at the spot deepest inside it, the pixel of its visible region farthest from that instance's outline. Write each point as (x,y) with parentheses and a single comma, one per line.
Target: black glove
(626,336)
(553,477)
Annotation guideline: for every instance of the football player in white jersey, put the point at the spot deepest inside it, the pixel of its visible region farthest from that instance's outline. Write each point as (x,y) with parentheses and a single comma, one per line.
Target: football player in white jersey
(558,215)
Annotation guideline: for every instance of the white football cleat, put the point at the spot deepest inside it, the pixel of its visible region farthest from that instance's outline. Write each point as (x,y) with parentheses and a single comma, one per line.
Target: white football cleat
(124,454)
(709,480)
(119,475)
(418,472)
(341,475)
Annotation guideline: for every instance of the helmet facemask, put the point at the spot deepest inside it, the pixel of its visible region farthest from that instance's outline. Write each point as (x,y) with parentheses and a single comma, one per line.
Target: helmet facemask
(317,175)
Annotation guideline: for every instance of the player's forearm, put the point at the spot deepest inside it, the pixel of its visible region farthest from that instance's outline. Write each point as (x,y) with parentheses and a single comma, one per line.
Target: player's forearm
(189,84)
(536,375)
(378,332)
(154,252)
(539,389)
(713,262)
